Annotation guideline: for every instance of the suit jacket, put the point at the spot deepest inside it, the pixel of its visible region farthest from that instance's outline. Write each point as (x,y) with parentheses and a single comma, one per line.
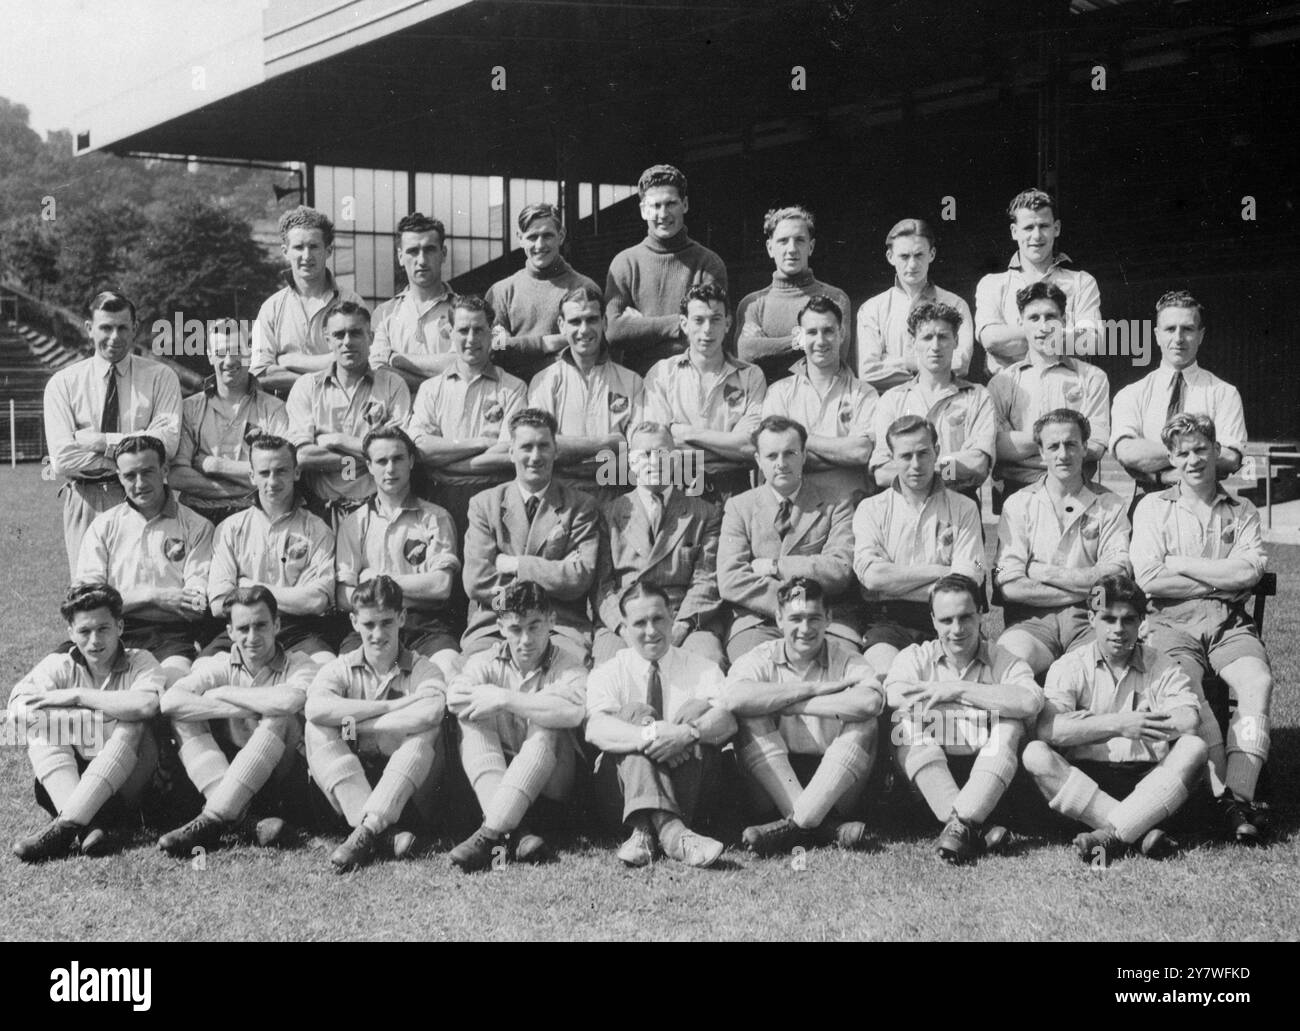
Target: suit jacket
(682,558)
(820,545)
(558,552)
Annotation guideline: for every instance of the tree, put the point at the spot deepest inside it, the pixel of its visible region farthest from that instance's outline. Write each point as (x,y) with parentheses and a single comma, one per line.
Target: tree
(30,250)
(96,245)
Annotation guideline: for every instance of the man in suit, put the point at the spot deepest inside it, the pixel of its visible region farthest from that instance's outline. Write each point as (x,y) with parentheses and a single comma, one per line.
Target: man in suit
(661,534)
(783,529)
(533,528)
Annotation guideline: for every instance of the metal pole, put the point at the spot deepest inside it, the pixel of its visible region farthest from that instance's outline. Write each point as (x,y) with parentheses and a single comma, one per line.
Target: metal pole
(13,437)
(1268,491)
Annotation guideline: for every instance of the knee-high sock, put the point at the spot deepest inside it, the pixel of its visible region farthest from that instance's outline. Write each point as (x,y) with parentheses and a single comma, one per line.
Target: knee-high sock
(339,774)
(990,776)
(483,758)
(406,770)
(926,766)
(766,759)
(528,773)
(103,778)
(1157,797)
(1248,743)
(845,763)
(1082,799)
(204,762)
(251,769)
(1209,732)
(55,767)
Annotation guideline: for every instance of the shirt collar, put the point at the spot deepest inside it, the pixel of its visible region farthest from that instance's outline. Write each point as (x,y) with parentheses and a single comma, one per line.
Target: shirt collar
(332,373)
(405,660)
(1166,375)
(101,366)
(525,494)
(277,661)
(601,359)
(928,292)
(503,654)
(459,371)
(1136,661)
(424,307)
(169,507)
(822,658)
(1175,494)
(210,385)
(982,656)
(410,503)
(287,277)
(1058,259)
(121,661)
(936,486)
(640,668)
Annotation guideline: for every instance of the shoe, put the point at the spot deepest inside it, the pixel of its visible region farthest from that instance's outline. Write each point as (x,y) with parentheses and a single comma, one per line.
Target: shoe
(639,849)
(270,830)
(851,835)
(1100,848)
(956,843)
(532,848)
(695,850)
(95,842)
(1260,816)
(1158,845)
(54,841)
(1237,825)
(356,851)
(476,851)
(767,839)
(405,844)
(997,839)
(205,829)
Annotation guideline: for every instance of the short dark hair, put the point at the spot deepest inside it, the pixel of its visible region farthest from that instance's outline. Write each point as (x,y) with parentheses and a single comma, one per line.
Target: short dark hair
(823,305)
(793,211)
(389,433)
(111,301)
(1041,291)
(381,592)
(583,295)
(520,597)
(1062,416)
(1181,299)
(538,418)
(270,442)
(533,212)
(780,424)
(642,589)
(1117,588)
(303,217)
(956,583)
(417,222)
(911,227)
(474,302)
(91,596)
(256,594)
(708,293)
(1188,424)
(804,585)
(661,175)
(1032,199)
(137,443)
(933,311)
(906,424)
(346,309)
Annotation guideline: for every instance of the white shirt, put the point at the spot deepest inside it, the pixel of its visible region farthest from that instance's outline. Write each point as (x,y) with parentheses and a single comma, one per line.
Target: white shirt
(622,681)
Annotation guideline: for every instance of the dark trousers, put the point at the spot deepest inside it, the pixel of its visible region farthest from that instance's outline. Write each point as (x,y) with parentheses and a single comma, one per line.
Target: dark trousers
(630,783)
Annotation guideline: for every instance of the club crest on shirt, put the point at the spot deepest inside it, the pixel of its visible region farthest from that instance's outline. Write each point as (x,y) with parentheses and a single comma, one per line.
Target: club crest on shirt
(618,403)
(946,535)
(375,413)
(174,549)
(494,413)
(956,417)
(415,550)
(1089,528)
(1074,395)
(1229,534)
(733,396)
(296,547)
(846,414)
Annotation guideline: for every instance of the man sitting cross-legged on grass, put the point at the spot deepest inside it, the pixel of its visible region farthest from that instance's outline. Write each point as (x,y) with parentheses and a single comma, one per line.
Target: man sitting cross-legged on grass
(84,715)
(383,705)
(1117,746)
(237,719)
(655,713)
(811,696)
(1199,553)
(959,697)
(521,700)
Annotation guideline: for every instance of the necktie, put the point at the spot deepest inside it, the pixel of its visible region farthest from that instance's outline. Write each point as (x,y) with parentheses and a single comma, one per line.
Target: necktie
(530,508)
(656,514)
(654,691)
(108,420)
(783,524)
(1175,397)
